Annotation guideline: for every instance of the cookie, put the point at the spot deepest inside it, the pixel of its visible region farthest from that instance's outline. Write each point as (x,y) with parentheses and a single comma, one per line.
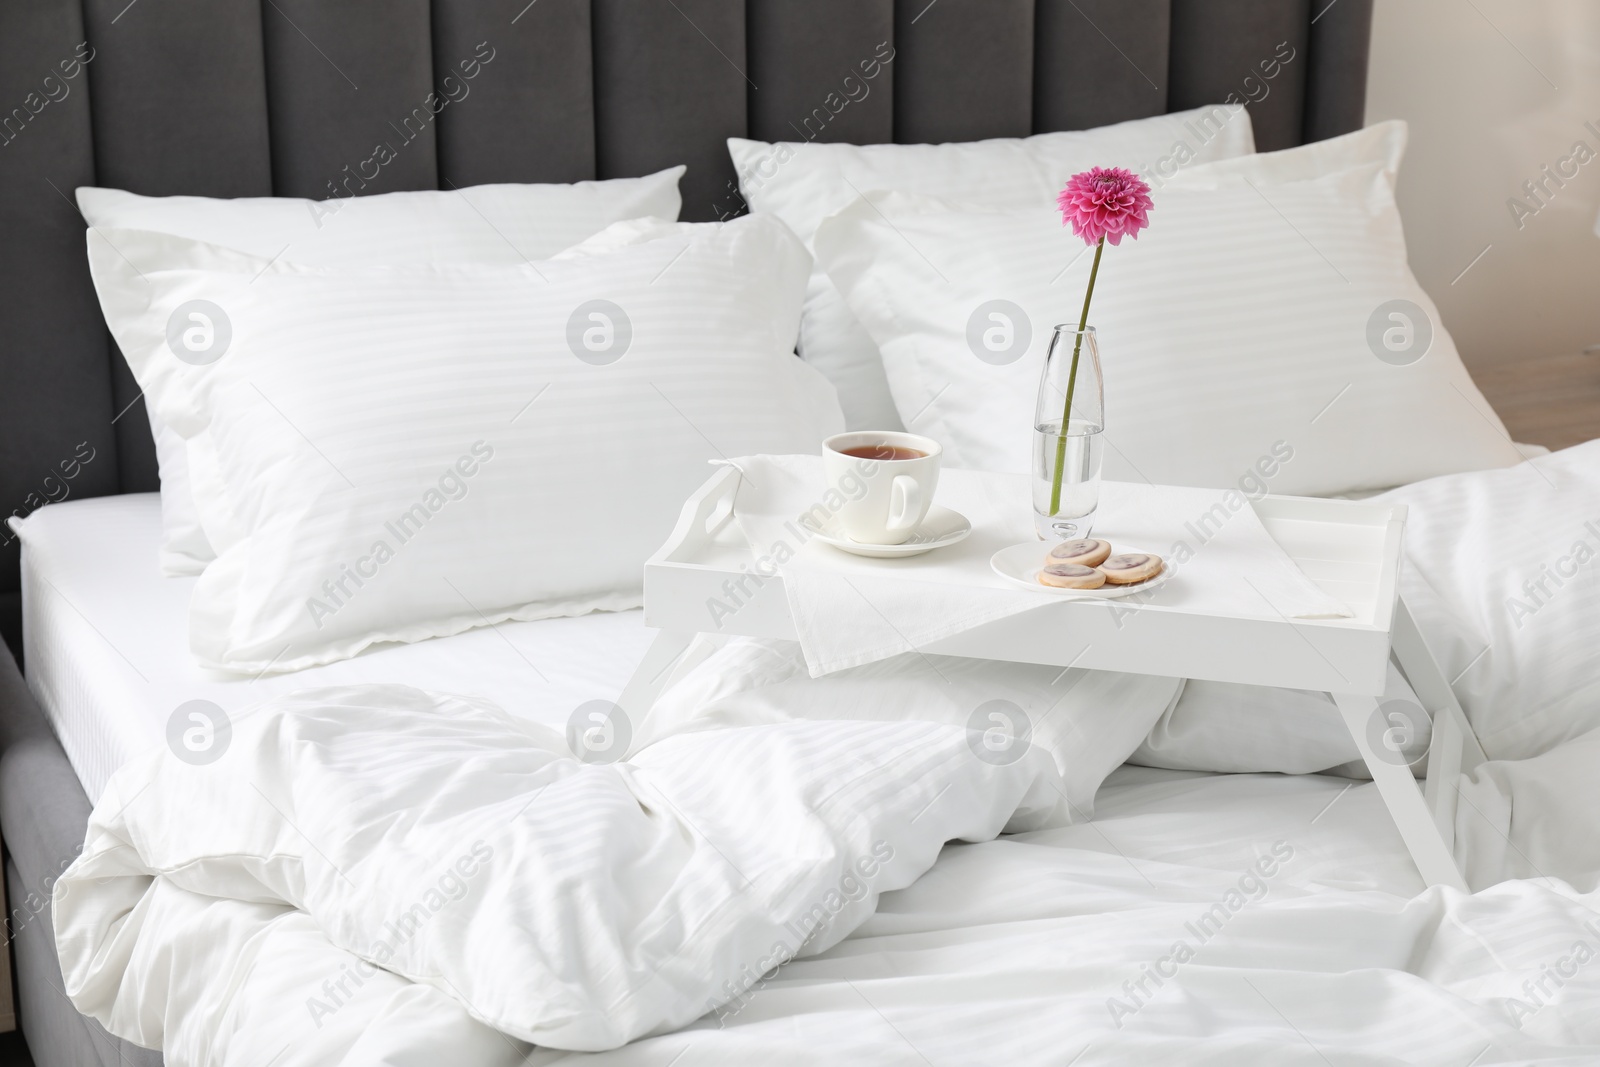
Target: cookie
(1071,576)
(1085,552)
(1131,567)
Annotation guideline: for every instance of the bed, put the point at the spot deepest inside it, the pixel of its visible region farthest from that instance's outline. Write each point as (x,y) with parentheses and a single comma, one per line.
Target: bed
(1077,930)
(1074,930)
(1244,911)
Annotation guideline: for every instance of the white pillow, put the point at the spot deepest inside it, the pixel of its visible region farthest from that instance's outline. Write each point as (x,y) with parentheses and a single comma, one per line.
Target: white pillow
(1502,573)
(1248,322)
(480,224)
(185,549)
(409,452)
(1088,722)
(803,183)
(1251,729)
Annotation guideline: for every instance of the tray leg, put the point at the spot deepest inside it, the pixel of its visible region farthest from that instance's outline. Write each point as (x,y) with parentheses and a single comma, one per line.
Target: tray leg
(1429,683)
(1401,796)
(1455,750)
(667,657)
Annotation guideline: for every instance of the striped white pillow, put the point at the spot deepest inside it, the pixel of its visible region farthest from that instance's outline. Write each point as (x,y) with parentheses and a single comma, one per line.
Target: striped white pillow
(1503,576)
(409,452)
(506,223)
(803,183)
(1249,321)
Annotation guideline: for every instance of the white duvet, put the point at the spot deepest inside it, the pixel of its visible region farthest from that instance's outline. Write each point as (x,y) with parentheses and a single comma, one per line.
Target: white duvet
(1239,919)
(575,905)
(376,875)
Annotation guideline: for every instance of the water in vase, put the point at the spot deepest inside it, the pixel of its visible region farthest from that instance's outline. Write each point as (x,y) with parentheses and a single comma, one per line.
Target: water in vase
(1080,479)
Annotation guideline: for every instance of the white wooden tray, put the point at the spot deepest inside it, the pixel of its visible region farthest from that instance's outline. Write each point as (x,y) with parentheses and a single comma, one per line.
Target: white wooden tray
(1350,549)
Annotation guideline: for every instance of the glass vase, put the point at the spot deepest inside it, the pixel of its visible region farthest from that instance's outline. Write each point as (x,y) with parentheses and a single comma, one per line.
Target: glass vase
(1068,436)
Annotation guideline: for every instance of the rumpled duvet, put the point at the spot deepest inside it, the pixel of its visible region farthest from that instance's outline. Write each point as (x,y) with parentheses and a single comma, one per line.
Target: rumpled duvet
(569,904)
(379,876)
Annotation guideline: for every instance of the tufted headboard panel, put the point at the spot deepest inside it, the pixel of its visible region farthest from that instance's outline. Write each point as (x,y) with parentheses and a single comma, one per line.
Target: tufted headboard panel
(298,97)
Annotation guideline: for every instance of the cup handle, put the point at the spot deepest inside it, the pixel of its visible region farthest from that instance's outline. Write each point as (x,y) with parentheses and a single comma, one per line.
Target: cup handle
(905,504)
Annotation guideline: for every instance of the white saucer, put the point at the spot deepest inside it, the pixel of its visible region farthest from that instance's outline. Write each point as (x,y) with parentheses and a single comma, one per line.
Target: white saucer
(1020,565)
(940,528)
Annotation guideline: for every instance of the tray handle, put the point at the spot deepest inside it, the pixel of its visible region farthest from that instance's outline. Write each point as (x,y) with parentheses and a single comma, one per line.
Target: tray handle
(708,510)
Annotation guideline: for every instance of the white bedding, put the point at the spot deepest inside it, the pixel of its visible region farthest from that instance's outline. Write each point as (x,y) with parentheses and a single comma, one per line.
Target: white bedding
(108,657)
(1197,919)
(1279,917)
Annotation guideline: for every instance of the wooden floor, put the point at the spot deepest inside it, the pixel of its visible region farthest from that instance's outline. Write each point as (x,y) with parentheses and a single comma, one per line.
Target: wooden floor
(1546,400)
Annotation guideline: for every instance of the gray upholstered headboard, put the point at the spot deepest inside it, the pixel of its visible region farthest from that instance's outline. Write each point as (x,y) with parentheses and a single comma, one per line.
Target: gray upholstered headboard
(264,97)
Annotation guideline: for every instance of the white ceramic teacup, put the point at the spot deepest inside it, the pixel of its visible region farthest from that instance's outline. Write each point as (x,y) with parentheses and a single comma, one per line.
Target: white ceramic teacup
(898,490)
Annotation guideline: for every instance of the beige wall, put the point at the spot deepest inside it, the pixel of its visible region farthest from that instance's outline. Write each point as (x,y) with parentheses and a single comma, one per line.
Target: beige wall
(1494,90)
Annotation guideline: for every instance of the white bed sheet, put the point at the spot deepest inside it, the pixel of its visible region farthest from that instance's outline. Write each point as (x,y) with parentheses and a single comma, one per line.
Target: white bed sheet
(107,653)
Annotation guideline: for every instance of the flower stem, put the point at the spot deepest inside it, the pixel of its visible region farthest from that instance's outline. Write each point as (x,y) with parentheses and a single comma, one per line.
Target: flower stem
(1072,381)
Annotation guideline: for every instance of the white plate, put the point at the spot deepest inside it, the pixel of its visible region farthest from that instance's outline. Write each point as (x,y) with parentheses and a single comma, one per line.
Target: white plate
(1020,565)
(940,528)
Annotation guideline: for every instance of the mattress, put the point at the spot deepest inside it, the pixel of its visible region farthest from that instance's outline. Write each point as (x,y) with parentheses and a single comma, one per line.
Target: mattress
(107,656)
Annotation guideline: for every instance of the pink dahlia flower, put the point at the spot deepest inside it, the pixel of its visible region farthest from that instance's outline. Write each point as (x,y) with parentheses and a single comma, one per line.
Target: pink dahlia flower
(1105,202)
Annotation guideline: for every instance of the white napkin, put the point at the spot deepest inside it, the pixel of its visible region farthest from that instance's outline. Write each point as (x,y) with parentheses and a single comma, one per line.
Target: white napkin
(851,610)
